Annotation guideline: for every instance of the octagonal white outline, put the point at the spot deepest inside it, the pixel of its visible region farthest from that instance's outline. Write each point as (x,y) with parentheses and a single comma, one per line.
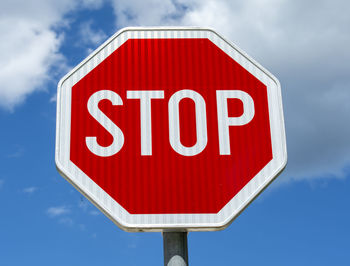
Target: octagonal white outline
(166,222)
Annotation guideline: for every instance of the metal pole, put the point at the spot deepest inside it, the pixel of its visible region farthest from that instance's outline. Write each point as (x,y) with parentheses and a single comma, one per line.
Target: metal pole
(175,249)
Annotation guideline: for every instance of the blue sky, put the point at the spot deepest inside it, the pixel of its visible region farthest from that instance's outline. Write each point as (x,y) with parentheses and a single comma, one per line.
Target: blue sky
(301,219)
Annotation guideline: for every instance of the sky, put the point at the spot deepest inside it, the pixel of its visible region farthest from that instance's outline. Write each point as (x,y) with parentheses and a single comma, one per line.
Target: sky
(301,219)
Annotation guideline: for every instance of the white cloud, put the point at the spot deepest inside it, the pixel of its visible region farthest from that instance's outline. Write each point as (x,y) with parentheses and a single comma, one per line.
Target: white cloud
(305,44)
(53,98)
(148,13)
(29,190)
(92,4)
(25,67)
(57,211)
(29,48)
(91,36)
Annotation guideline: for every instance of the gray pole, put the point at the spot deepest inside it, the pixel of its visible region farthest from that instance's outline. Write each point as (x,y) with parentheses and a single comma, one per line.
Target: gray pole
(175,249)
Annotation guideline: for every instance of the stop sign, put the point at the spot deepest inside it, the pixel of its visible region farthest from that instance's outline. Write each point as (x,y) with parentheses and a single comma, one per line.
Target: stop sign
(170,129)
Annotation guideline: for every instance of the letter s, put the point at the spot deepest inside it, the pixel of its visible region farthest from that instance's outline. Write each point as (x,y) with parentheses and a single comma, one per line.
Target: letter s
(114,130)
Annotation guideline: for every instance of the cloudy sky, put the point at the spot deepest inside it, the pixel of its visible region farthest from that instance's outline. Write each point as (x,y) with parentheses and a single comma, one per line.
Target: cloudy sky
(301,219)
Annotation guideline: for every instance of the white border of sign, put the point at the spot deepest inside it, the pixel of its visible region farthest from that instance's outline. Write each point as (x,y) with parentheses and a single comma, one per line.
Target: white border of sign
(162,222)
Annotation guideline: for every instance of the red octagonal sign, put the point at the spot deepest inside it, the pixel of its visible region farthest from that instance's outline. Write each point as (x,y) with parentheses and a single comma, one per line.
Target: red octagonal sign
(170,128)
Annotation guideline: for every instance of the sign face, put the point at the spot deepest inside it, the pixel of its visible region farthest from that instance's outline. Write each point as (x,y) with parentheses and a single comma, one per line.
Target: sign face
(170,129)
